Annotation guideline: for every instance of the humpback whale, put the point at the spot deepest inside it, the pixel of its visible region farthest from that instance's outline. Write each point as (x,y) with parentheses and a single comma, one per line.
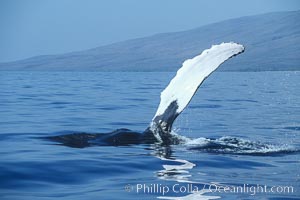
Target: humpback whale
(173,100)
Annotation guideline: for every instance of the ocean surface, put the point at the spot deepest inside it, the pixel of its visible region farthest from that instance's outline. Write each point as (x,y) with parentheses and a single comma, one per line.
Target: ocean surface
(242,133)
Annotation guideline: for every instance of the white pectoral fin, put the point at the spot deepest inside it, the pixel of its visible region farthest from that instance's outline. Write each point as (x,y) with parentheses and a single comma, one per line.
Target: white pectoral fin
(176,96)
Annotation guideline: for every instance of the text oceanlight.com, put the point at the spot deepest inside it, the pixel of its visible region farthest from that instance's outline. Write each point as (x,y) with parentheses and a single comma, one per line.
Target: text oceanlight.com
(250,189)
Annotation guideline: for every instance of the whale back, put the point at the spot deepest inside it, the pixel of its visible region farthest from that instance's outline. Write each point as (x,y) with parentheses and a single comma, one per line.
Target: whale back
(177,95)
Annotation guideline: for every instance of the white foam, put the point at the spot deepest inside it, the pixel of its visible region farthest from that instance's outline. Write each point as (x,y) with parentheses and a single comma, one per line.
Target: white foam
(228,144)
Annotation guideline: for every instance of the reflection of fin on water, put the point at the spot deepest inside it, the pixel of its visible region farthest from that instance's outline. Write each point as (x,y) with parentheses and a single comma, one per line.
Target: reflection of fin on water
(174,99)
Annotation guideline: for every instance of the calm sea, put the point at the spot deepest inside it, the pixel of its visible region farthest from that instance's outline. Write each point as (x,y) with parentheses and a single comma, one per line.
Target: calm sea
(245,130)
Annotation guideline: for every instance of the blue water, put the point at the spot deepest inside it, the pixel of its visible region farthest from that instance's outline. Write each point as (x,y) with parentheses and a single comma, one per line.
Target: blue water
(259,110)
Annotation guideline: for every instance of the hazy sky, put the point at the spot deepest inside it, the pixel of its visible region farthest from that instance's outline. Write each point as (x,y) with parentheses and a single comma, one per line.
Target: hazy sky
(38,27)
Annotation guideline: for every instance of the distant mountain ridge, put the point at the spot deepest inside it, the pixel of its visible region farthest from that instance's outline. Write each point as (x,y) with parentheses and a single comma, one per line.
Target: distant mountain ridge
(272,43)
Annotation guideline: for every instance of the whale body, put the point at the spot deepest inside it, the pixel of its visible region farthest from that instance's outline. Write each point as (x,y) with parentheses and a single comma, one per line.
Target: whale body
(173,100)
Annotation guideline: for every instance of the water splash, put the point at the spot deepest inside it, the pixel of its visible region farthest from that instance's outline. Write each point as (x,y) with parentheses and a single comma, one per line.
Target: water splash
(234,145)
